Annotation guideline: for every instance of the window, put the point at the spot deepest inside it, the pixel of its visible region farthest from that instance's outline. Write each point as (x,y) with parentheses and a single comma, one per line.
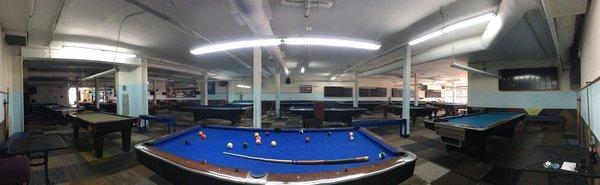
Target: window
(396,92)
(338,91)
(372,92)
(455,94)
(305,89)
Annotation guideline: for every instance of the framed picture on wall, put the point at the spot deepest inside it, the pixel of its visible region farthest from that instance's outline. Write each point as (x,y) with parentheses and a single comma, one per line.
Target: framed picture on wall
(305,89)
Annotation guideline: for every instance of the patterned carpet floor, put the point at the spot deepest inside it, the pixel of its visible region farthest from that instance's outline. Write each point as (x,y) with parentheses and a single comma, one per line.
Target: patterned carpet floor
(435,165)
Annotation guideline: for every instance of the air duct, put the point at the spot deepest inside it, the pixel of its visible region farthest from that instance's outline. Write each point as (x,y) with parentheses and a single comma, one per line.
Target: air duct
(257,14)
(508,15)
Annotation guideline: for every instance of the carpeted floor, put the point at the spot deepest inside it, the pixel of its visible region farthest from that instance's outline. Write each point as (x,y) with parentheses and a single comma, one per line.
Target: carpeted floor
(435,165)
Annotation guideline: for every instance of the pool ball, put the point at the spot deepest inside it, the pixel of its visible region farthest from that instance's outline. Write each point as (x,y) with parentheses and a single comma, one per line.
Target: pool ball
(351,137)
(245,145)
(351,133)
(187,141)
(256,134)
(230,145)
(329,133)
(307,139)
(259,137)
(258,141)
(273,143)
(203,136)
(381,155)
(301,131)
(201,133)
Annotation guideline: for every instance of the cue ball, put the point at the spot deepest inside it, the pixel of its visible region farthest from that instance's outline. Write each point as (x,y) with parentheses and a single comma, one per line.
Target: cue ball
(301,131)
(307,139)
(273,143)
(381,155)
(351,133)
(230,145)
(351,137)
(245,145)
(256,134)
(329,133)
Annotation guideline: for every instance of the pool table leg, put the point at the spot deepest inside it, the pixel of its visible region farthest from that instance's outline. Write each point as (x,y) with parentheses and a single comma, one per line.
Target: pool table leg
(126,139)
(75,129)
(98,145)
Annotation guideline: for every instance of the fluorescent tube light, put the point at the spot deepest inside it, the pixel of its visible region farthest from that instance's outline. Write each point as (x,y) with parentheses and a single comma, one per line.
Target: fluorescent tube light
(243,86)
(426,37)
(286,71)
(235,45)
(332,42)
(223,46)
(98,75)
(332,78)
(302,70)
(91,51)
(463,24)
(473,70)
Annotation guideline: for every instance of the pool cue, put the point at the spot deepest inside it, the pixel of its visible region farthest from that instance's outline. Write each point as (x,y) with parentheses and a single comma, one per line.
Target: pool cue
(303,162)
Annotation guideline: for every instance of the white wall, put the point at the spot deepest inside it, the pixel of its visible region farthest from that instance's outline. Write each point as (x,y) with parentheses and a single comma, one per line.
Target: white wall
(483,91)
(58,94)
(11,82)
(292,92)
(590,45)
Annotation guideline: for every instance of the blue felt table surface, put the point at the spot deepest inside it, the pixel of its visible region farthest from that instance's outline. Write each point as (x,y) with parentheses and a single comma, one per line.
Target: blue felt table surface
(290,146)
(481,120)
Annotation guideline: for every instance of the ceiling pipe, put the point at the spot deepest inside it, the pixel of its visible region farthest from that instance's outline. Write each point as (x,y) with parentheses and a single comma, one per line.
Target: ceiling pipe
(300,3)
(55,74)
(182,27)
(256,14)
(56,21)
(98,75)
(509,13)
(454,13)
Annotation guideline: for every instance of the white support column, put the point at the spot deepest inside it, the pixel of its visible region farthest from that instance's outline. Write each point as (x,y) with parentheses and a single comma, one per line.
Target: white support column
(97,93)
(406,91)
(256,87)
(417,86)
(277,95)
(356,93)
(205,88)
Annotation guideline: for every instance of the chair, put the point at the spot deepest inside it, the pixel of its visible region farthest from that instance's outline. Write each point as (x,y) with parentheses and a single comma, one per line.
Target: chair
(13,169)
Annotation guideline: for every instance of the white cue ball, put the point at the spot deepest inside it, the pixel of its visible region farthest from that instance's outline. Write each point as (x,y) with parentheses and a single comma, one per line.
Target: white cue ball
(351,133)
(273,143)
(351,137)
(230,145)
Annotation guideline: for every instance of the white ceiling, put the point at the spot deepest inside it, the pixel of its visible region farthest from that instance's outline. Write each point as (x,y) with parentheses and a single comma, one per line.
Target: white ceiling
(98,21)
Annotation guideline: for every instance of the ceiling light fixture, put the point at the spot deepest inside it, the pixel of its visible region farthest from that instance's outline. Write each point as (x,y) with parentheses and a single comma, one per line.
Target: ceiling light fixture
(332,78)
(286,71)
(302,70)
(223,46)
(91,51)
(243,86)
(473,70)
(463,24)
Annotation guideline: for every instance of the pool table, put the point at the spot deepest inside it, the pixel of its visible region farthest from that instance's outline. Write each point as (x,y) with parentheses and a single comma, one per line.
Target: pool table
(420,111)
(450,109)
(469,132)
(331,114)
(231,112)
(325,159)
(100,124)
(369,105)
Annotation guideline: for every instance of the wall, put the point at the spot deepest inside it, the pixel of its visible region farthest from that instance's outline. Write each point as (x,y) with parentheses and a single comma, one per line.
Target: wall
(483,91)
(11,82)
(136,88)
(291,91)
(590,45)
(51,94)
